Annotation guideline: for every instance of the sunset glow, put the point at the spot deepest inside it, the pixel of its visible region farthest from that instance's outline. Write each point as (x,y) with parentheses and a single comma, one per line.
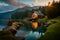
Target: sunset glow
(14,4)
(30,2)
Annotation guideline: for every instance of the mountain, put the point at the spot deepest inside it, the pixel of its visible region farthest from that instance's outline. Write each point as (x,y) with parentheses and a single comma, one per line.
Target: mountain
(6,15)
(26,8)
(4,9)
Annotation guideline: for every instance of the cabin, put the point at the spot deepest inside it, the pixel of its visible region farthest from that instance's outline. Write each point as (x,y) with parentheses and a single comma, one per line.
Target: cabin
(34,15)
(37,14)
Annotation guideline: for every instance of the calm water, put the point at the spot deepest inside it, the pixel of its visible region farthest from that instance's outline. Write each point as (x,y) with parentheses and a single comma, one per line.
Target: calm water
(29,35)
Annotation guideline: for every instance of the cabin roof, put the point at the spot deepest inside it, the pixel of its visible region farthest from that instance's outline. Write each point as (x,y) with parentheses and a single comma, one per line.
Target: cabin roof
(39,13)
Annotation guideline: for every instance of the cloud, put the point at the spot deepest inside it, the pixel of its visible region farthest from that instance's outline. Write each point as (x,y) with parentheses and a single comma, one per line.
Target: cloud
(36,1)
(3,4)
(9,5)
(7,1)
(14,2)
(6,5)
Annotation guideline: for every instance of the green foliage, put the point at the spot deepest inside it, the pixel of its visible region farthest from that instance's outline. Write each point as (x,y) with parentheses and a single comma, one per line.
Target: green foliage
(52,33)
(57,19)
(7,35)
(43,10)
(21,15)
(43,19)
(53,10)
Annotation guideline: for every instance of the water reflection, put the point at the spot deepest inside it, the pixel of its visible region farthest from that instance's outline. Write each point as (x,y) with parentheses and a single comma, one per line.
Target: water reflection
(33,35)
(29,35)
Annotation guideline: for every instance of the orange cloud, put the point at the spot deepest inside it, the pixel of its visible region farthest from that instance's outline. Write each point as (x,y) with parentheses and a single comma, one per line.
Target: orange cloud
(36,1)
(16,3)
(13,2)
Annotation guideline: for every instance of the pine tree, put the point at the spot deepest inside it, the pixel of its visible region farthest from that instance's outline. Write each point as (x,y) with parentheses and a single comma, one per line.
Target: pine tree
(53,11)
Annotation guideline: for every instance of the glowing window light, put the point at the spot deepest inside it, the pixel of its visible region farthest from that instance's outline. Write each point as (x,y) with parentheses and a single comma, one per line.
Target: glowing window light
(34,15)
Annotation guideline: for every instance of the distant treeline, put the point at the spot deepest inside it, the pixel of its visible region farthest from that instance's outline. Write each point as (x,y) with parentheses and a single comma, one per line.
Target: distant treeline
(53,10)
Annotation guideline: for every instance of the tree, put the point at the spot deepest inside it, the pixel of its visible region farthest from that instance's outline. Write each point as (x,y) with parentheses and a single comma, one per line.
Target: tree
(53,10)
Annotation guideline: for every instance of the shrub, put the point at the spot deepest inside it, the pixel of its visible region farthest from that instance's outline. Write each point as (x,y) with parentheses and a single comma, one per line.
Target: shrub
(52,33)
(7,35)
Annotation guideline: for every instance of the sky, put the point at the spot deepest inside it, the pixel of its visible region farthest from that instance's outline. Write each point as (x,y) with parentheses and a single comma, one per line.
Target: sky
(13,4)
(24,2)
